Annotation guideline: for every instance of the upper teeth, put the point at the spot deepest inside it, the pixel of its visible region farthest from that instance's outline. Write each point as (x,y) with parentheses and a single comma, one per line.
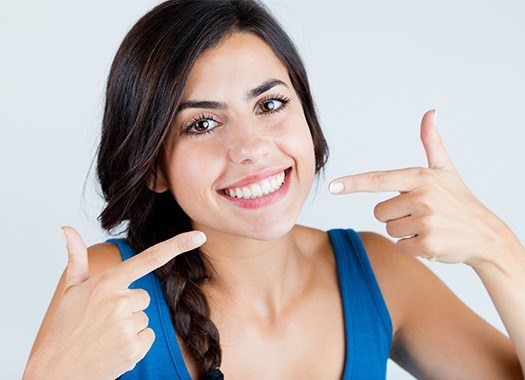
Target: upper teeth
(257,189)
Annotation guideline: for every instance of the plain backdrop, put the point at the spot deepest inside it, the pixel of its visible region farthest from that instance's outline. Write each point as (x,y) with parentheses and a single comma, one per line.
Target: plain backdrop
(375,68)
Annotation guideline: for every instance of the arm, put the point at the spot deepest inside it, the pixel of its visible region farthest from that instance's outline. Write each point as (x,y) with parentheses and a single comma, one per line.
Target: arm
(505,282)
(437,336)
(437,217)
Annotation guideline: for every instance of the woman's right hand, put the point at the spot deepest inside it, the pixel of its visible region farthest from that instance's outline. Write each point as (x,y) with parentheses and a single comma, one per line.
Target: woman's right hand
(100,330)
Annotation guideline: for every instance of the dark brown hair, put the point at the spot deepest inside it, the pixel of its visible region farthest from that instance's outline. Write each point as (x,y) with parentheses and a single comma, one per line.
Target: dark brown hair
(144,88)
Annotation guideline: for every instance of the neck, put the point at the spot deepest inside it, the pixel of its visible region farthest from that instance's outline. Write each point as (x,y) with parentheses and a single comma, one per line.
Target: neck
(253,277)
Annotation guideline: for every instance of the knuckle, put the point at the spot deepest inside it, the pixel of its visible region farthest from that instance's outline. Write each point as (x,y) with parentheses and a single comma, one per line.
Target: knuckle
(181,246)
(143,318)
(151,258)
(428,222)
(425,200)
(127,331)
(104,280)
(390,228)
(144,296)
(149,336)
(134,352)
(426,243)
(424,175)
(380,180)
(132,356)
(349,185)
(377,211)
(121,306)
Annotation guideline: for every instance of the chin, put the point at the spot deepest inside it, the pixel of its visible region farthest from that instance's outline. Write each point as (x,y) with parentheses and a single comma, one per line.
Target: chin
(254,230)
(268,233)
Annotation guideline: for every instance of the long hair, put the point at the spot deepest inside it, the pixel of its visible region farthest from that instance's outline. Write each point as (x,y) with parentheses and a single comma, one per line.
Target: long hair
(144,88)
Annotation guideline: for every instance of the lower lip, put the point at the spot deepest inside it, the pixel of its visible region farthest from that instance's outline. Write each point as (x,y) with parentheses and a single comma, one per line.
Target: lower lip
(266,200)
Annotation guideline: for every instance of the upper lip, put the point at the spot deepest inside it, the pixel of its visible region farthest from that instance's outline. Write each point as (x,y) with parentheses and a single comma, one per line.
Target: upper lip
(255,177)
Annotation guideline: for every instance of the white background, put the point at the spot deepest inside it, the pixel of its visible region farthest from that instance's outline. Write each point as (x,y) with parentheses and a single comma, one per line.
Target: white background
(375,68)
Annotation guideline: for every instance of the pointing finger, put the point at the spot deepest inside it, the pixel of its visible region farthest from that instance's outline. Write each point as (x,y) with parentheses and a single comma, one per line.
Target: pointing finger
(402,180)
(155,257)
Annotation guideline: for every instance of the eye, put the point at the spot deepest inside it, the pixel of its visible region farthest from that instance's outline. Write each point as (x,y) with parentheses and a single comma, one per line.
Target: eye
(204,125)
(273,104)
(200,125)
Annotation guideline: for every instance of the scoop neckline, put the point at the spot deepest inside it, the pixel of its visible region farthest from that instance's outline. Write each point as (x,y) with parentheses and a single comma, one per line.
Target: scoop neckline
(344,288)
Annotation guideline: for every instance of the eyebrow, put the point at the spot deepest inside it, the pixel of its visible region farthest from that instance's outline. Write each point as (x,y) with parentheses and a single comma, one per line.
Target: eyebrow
(262,88)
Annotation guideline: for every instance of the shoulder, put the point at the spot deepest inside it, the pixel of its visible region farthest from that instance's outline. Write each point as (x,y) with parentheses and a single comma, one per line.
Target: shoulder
(431,318)
(102,256)
(399,276)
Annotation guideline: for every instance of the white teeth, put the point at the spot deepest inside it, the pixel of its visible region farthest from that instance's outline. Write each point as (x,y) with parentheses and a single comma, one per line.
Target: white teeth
(255,190)
(246,192)
(266,187)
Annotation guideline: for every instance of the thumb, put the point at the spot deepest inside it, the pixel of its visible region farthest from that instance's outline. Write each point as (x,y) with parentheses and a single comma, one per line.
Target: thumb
(437,155)
(77,270)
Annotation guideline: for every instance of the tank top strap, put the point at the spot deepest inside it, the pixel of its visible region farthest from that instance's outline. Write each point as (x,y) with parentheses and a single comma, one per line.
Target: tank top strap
(164,359)
(369,320)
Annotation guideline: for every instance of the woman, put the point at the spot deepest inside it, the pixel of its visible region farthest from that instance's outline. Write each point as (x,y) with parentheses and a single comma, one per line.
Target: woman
(209,148)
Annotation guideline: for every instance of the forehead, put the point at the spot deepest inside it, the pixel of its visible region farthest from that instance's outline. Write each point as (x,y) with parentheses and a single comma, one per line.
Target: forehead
(237,64)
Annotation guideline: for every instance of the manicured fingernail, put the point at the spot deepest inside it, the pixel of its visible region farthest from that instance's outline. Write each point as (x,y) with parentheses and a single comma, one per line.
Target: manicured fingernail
(199,238)
(336,187)
(64,235)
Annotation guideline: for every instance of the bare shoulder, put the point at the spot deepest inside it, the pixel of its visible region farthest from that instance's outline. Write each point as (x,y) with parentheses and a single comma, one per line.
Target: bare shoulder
(102,256)
(429,318)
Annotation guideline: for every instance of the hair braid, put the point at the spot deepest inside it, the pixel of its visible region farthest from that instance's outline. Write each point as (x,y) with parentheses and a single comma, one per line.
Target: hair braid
(190,310)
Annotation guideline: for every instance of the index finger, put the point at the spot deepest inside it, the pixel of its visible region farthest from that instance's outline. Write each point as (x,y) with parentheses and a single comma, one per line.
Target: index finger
(155,256)
(402,180)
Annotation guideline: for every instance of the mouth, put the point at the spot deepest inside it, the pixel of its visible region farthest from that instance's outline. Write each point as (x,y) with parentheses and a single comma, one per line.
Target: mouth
(261,193)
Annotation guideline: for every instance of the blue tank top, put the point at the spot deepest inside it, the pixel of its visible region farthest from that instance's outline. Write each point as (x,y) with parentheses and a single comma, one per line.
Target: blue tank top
(368,327)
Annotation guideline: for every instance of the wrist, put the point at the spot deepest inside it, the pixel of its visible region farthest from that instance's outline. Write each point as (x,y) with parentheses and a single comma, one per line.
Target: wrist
(507,257)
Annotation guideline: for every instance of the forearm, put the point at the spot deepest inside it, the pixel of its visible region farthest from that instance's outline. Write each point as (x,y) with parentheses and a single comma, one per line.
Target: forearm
(505,282)
(39,368)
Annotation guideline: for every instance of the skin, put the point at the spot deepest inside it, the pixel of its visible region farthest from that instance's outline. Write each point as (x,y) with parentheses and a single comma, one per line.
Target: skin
(250,258)
(275,297)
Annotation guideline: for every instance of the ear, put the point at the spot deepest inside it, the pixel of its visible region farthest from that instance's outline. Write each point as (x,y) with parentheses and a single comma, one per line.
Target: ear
(161,185)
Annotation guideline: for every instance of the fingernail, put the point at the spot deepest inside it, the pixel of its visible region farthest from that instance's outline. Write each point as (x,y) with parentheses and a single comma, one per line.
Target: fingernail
(435,116)
(336,187)
(64,235)
(199,238)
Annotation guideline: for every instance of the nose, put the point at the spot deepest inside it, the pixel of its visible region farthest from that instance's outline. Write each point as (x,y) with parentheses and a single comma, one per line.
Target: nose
(248,143)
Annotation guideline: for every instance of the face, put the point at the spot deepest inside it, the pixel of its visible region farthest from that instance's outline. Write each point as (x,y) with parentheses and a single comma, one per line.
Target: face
(239,158)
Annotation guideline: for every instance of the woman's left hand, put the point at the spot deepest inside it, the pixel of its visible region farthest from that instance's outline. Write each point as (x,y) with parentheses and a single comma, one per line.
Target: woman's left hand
(448,222)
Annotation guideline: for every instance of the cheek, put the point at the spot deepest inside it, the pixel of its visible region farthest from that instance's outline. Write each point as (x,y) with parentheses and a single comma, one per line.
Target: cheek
(297,138)
(192,173)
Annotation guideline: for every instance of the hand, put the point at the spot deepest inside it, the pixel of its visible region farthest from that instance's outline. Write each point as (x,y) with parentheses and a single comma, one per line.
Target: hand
(447,222)
(99,330)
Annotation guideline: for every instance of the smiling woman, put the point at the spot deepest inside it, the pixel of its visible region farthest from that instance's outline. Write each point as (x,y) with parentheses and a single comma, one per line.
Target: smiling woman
(210,146)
